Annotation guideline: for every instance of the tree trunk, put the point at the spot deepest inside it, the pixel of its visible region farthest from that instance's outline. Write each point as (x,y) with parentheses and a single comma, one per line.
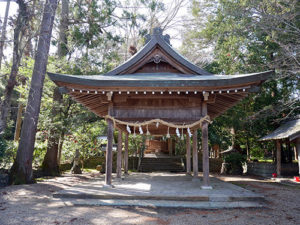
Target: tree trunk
(3,32)
(19,122)
(76,163)
(19,116)
(21,171)
(50,165)
(61,142)
(62,49)
(18,33)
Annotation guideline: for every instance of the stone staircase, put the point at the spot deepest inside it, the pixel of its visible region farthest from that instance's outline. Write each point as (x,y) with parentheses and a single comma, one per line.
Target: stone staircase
(164,164)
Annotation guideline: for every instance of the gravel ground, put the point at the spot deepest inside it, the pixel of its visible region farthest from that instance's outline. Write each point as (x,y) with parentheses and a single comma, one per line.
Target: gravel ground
(31,204)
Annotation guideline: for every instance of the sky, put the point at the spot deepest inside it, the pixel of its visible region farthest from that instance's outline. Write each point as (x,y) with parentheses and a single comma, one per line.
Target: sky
(175,33)
(12,9)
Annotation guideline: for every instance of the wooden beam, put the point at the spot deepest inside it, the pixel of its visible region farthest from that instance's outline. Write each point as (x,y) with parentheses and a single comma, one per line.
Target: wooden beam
(126,154)
(119,155)
(188,154)
(278,158)
(108,167)
(205,155)
(195,156)
(298,151)
(170,146)
(151,88)
(158,95)
(226,98)
(164,114)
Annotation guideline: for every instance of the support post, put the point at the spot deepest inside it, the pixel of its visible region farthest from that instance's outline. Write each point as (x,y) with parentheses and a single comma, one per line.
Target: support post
(170,146)
(108,166)
(298,151)
(188,154)
(126,154)
(195,156)
(119,155)
(278,158)
(205,154)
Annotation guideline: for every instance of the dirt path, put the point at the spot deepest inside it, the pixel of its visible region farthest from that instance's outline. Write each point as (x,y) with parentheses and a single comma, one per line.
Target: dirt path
(32,204)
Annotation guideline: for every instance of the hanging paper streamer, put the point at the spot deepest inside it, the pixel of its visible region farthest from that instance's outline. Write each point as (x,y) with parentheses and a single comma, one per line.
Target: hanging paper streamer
(128,129)
(168,134)
(189,132)
(134,135)
(157,121)
(177,132)
(148,133)
(182,138)
(141,130)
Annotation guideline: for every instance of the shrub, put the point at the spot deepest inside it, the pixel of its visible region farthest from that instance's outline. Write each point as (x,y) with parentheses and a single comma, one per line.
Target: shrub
(235,161)
(3,147)
(8,151)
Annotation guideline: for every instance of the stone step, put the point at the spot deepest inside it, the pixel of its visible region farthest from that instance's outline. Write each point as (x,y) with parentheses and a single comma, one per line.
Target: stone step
(161,164)
(161,203)
(160,160)
(190,198)
(161,168)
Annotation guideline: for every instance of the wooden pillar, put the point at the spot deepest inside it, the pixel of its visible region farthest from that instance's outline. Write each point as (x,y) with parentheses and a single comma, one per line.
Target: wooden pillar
(195,156)
(188,154)
(108,167)
(298,151)
(205,154)
(278,158)
(119,155)
(126,154)
(170,146)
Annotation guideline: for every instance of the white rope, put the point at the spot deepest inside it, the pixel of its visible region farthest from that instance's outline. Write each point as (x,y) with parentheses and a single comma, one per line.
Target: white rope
(157,121)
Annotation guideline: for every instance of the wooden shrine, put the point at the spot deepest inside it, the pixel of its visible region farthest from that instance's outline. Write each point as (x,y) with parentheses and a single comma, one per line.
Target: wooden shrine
(159,92)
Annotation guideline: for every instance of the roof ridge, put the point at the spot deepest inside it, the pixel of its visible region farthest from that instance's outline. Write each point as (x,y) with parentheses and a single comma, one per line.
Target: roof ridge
(157,38)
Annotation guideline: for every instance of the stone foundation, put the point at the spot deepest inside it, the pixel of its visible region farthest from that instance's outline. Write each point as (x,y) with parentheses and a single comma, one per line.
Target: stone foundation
(266,169)
(3,180)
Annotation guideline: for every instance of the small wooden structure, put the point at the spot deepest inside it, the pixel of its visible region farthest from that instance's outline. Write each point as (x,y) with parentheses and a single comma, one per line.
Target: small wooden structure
(288,131)
(159,92)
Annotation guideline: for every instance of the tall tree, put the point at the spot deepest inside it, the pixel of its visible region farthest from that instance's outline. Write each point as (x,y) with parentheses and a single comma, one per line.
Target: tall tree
(50,165)
(19,31)
(3,31)
(21,171)
(245,36)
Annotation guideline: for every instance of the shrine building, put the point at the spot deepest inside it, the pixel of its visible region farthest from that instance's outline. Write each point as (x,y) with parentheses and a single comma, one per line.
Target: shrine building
(158,92)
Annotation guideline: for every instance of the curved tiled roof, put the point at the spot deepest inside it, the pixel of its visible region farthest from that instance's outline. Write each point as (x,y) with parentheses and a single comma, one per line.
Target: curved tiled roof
(160,80)
(289,130)
(157,39)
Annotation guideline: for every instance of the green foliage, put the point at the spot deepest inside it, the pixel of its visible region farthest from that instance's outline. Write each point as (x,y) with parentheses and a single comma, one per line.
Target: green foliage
(242,37)
(136,144)
(218,134)
(235,158)
(235,161)
(95,44)
(84,136)
(3,147)
(8,151)
(180,145)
